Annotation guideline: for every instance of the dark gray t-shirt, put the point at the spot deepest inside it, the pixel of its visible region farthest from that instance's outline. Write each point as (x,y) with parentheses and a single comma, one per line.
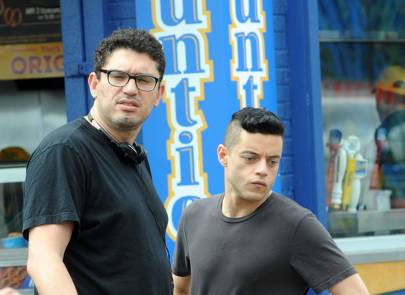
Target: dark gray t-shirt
(281,248)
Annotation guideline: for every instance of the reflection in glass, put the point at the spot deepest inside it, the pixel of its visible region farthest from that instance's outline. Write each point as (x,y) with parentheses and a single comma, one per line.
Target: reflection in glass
(363,100)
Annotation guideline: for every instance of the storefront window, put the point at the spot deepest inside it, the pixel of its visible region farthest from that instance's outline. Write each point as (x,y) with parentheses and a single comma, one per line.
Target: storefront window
(32,103)
(27,114)
(29,109)
(363,100)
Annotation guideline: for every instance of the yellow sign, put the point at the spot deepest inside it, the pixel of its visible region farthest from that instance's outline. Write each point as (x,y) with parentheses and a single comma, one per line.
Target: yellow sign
(26,61)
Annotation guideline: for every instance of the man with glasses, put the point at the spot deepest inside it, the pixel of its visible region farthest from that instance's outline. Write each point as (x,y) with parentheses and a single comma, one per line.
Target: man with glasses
(92,215)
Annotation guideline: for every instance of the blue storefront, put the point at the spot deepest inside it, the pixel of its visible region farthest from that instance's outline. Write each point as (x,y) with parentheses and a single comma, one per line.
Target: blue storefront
(278,55)
(317,64)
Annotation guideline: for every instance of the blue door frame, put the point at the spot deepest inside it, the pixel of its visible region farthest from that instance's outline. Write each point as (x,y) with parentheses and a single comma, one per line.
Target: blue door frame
(305,97)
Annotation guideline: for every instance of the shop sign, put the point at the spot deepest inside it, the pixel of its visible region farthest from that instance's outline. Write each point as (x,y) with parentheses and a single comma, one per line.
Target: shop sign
(30,40)
(31,61)
(220,58)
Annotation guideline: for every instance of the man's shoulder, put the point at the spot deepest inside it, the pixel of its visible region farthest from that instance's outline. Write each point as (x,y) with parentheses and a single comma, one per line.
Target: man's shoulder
(290,207)
(65,130)
(199,212)
(66,137)
(202,205)
(63,134)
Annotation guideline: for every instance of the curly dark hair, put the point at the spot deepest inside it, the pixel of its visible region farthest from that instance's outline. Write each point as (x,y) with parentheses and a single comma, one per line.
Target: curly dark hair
(134,39)
(252,120)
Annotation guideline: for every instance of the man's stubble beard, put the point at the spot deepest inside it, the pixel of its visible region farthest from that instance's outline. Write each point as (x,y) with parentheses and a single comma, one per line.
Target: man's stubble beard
(124,124)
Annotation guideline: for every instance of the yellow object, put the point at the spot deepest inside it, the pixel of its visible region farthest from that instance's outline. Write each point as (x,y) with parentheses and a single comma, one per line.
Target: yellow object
(348,182)
(383,277)
(389,77)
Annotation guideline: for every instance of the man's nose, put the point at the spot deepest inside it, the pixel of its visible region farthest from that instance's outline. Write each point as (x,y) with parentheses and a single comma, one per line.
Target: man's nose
(131,87)
(261,167)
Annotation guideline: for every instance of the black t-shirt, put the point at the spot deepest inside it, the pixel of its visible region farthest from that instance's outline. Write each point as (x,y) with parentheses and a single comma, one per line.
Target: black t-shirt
(280,248)
(117,245)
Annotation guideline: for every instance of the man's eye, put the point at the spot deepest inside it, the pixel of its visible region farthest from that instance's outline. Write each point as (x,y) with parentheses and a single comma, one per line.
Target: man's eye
(248,158)
(274,163)
(145,79)
(118,76)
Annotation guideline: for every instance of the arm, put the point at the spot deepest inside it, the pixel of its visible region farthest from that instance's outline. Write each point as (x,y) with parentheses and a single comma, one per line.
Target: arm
(353,285)
(181,285)
(46,249)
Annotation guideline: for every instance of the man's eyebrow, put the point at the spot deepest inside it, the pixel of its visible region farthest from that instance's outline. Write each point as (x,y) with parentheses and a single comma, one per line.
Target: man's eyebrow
(275,156)
(249,152)
(254,153)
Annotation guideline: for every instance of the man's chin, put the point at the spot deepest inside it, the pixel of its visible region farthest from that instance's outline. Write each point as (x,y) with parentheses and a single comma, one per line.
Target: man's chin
(256,196)
(126,124)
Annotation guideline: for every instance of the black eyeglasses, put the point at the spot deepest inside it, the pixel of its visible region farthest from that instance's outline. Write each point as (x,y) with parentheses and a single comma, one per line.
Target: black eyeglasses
(120,79)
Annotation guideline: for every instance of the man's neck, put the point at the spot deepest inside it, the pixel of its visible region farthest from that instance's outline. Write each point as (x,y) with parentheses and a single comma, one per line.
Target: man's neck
(235,207)
(118,136)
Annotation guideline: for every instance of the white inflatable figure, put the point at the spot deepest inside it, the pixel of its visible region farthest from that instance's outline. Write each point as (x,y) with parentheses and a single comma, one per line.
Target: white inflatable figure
(338,174)
(361,172)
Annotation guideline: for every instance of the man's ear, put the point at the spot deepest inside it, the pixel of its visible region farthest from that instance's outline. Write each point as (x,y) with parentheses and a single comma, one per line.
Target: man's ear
(93,82)
(161,93)
(222,153)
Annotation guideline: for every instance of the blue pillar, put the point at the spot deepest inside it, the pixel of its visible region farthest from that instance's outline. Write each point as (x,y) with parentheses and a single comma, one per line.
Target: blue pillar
(83,26)
(305,98)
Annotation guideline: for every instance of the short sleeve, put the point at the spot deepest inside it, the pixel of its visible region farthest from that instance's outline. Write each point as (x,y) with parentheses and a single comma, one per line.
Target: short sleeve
(316,257)
(54,188)
(181,260)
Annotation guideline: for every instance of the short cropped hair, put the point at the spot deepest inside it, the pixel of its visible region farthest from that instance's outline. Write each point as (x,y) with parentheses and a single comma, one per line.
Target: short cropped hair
(136,40)
(252,120)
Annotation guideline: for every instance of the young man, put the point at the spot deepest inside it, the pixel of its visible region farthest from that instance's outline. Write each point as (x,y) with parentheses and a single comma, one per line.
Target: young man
(93,218)
(250,240)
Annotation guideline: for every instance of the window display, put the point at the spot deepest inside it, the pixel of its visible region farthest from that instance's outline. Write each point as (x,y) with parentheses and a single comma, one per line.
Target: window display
(28,112)
(26,115)
(363,102)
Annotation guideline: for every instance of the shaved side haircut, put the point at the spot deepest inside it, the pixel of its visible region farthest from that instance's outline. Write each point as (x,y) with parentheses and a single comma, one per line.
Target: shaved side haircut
(252,120)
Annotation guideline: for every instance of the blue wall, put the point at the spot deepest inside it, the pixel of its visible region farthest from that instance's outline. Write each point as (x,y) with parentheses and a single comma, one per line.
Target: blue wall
(283,94)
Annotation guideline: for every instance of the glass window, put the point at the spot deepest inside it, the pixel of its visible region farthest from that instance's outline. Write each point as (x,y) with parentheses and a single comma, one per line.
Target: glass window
(362,46)
(28,111)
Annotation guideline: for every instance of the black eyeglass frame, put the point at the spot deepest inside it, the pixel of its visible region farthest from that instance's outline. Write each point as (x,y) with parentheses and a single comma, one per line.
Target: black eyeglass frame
(134,77)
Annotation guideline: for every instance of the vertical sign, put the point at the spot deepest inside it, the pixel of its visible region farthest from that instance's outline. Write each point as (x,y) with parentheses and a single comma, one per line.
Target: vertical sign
(181,27)
(249,64)
(218,55)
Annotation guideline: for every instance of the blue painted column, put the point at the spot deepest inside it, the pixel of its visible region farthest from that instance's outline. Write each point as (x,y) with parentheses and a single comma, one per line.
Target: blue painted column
(83,26)
(72,37)
(305,99)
